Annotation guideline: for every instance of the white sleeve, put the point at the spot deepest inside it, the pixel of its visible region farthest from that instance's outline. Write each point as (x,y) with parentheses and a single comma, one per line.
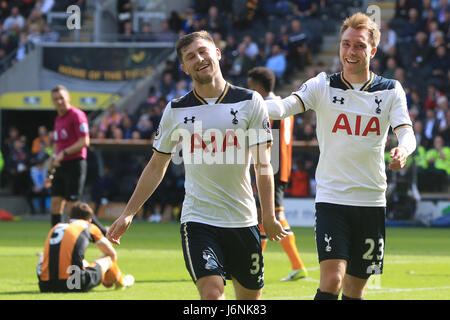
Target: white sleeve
(259,124)
(398,114)
(280,109)
(406,138)
(165,139)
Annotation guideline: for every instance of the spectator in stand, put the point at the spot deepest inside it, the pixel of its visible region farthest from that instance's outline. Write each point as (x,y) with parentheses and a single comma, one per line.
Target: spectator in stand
(228,54)
(299,182)
(269,41)
(434,175)
(167,84)
(128,33)
(428,17)
(277,63)
(413,25)
(17,166)
(402,8)
(13,134)
(391,66)
(388,39)
(432,96)
(421,50)
(298,46)
(166,34)
(23,47)
(444,132)
(418,132)
(145,125)
(440,62)
(124,13)
(111,117)
(15,18)
(7,44)
(252,49)
(215,21)
(240,67)
(127,126)
(146,34)
(179,91)
(40,190)
(431,127)
(42,138)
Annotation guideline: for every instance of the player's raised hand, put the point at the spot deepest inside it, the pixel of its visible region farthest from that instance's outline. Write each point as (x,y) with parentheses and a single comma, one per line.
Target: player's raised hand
(274,230)
(118,228)
(398,156)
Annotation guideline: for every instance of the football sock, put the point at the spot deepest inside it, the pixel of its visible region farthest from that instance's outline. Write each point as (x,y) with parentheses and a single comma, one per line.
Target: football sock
(99,225)
(55,218)
(344,297)
(114,275)
(263,237)
(289,246)
(320,295)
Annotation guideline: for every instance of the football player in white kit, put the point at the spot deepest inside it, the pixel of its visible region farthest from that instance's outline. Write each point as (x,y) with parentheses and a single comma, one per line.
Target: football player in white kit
(220,127)
(354,110)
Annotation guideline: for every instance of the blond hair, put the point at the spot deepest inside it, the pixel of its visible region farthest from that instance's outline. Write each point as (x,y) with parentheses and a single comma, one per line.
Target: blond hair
(362,21)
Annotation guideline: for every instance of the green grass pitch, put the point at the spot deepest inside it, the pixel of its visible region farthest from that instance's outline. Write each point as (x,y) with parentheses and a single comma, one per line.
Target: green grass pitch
(417,264)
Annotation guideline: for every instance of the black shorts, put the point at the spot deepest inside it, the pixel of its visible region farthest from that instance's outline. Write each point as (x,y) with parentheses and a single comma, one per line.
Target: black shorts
(69,179)
(89,278)
(226,252)
(355,234)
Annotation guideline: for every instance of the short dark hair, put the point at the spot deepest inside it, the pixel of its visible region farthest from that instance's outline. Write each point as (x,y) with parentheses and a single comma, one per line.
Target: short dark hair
(187,39)
(59,87)
(264,77)
(81,210)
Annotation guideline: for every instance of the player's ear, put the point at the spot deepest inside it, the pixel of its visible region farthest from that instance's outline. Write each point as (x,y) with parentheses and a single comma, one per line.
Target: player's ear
(184,69)
(373,52)
(219,54)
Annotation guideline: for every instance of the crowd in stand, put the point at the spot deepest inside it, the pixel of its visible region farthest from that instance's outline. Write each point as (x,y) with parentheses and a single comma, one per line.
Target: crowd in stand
(23,25)
(413,50)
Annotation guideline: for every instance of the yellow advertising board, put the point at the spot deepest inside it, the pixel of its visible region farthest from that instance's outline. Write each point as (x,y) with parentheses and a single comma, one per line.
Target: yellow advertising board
(41,100)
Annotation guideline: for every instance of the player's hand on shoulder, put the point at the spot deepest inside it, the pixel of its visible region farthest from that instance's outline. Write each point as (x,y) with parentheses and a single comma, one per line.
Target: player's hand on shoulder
(398,156)
(118,228)
(274,230)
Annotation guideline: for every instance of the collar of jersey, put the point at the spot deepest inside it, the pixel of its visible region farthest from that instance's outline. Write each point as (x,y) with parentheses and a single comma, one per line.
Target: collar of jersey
(219,99)
(365,85)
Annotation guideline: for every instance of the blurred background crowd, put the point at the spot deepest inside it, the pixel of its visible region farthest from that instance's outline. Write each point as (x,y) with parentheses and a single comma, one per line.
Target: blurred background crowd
(284,36)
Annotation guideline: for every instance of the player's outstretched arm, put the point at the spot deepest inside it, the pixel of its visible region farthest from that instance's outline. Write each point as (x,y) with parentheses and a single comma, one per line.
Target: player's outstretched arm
(280,109)
(265,185)
(148,182)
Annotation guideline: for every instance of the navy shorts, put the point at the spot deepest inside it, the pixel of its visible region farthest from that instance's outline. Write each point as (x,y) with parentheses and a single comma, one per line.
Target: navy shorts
(69,179)
(226,252)
(355,234)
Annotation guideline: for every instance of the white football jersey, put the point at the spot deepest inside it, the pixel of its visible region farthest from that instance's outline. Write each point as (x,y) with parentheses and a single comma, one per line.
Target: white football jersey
(352,128)
(215,140)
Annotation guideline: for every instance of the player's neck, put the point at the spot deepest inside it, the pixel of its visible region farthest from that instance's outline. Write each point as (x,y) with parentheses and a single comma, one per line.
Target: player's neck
(61,113)
(212,89)
(359,77)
